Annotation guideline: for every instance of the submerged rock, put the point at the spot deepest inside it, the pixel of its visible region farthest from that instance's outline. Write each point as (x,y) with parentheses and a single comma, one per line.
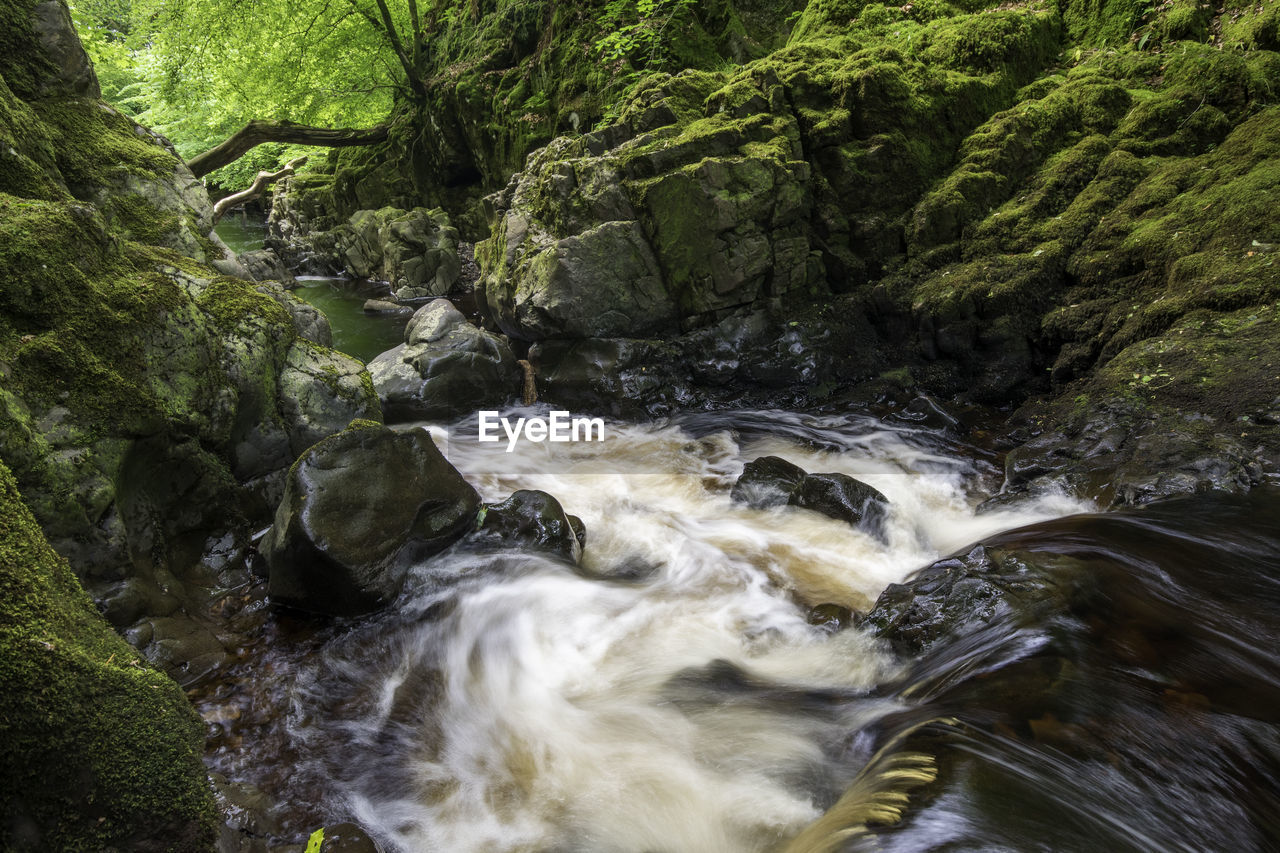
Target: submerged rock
(770,482)
(359,509)
(532,520)
(446,367)
(767,482)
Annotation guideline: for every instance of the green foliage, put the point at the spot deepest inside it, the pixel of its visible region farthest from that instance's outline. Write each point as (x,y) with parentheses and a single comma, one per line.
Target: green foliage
(314,842)
(639,31)
(104,27)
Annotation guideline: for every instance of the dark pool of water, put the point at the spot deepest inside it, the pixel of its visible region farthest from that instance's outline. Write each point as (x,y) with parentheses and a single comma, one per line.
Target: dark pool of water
(354,331)
(242,232)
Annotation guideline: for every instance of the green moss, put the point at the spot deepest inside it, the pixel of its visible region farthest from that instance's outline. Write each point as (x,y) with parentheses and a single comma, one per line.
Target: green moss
(97,147)
(100,751)
(231,303)
(1097,23)
(1250,25)
(27,165)
(141,221)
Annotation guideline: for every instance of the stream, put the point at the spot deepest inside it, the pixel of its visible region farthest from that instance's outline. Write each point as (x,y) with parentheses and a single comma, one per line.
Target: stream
(677,692)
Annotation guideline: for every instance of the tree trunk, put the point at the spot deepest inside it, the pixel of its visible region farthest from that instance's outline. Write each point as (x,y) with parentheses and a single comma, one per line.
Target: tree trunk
(258,131)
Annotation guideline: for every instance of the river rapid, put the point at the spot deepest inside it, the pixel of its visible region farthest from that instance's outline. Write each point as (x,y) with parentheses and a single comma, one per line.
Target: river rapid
(687,689)
(670,694)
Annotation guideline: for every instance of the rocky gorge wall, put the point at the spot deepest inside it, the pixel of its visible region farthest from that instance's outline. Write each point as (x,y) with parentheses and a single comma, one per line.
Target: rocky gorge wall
(1056,207)
(150,407)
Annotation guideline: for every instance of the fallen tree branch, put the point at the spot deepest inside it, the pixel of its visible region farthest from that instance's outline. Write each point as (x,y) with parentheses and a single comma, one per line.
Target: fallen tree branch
(259,131)
(259,186)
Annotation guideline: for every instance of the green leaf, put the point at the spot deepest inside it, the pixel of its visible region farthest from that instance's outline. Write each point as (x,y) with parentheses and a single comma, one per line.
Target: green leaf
(314,842)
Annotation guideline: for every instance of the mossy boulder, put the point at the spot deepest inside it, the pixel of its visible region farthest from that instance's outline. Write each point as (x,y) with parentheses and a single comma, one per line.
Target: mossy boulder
(99,750)
(765,186)
(446,368)
(416,251)
(359,510)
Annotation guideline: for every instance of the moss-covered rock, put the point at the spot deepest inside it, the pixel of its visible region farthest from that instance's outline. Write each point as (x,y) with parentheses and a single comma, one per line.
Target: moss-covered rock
(100,750)
(792,174)
(148,402)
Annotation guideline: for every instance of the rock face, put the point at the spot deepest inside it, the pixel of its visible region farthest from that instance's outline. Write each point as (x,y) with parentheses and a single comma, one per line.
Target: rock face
(446,367)
(619,253)
(83,719)
(148,400)
(415,250)
(360,508)
(533,521)
(770,482)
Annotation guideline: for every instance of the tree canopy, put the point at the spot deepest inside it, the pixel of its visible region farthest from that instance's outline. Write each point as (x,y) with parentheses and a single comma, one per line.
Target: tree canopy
(200,70)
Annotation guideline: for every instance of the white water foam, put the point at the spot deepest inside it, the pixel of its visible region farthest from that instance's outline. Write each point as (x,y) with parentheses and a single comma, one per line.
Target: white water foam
(695,710)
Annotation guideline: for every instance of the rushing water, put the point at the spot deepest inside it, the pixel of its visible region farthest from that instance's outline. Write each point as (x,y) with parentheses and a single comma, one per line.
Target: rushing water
(670,694)
(515,703)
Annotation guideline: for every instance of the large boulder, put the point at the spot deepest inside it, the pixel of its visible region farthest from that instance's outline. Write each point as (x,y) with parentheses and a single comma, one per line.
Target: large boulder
(360,508)
(416,250)
(446,367)
(98,750)
(588,243)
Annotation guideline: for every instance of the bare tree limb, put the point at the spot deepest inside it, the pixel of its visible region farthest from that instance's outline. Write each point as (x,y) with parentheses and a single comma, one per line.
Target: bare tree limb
(259,186)
(259,131)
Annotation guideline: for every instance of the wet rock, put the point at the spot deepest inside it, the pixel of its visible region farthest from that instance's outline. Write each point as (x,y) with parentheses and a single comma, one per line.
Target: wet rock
(248,812)
(959,595)
(186,650)
(579,530)
(770,482)
(446,368)
(531,520)
(623,377)
(347,838)
(834,617)
(359,509)
(416,250)
(767,482)
(842,497)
